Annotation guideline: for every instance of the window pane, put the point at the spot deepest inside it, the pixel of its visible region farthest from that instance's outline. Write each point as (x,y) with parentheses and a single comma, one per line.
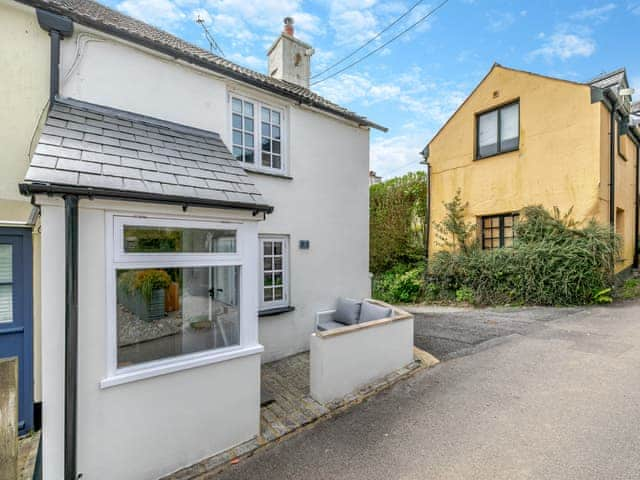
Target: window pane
(6,303)
(509,129)
(277,263)
(236,105)
(275,118)
(265,130)
(275,146)
(248,124)
(266,115)
(276,132)
(268,248)
(268,263)
(267,279)
(268,294)
(237,153)
(248,156)
(277,248)
(248,140)
(266,147)
(278,293)
(141,239)
(6,265)
(277,278)
(237,137)
(164,313)
(248,109)
(488,134)
(266,160)
(237,121)
(276,161)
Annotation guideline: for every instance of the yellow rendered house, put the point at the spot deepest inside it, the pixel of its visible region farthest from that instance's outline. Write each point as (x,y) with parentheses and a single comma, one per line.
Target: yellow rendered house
(524,139)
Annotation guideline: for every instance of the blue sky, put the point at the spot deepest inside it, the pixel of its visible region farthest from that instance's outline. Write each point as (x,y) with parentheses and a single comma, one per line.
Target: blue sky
(414,84)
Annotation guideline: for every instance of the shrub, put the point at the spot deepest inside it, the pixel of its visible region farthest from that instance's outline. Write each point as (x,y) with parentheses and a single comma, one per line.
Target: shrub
(144,281)
(465,294)
(396,222)
(553,262)
(401,284)
(629,289)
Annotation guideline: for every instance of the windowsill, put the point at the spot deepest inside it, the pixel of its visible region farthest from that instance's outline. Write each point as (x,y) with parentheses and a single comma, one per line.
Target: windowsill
(177,364)
(275,311)
(267,173)
(497,154)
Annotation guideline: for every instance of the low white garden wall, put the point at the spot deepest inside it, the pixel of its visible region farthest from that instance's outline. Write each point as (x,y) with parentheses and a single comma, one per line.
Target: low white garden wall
(344,359)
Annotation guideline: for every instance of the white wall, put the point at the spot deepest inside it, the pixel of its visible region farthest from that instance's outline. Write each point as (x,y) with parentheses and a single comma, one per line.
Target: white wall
(341,363)
(326,202)
(142,429)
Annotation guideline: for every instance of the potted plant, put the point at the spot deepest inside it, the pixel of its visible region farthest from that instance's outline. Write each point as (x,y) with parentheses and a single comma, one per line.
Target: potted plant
(143,292)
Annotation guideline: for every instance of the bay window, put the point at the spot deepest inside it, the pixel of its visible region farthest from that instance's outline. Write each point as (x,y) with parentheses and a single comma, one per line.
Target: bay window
(257,135)
(178,294)
(498,131)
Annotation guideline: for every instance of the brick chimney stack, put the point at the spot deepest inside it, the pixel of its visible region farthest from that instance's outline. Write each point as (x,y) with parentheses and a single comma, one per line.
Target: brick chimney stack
(290,57)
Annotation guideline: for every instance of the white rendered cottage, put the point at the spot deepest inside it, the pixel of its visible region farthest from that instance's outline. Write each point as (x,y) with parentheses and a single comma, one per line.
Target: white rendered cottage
(194,215)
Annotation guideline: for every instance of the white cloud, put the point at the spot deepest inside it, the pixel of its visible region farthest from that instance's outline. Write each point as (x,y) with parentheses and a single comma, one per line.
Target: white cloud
(201,13)
(565,46)
(161,13)
(599,14)
(499,21)
(394,156)
(250,61)
(634,7)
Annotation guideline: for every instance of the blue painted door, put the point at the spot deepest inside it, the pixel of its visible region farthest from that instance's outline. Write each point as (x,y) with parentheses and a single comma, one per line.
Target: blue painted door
(16,305)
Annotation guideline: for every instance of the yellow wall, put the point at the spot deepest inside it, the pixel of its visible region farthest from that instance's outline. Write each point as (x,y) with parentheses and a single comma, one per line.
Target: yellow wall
(24,63)
(559,161)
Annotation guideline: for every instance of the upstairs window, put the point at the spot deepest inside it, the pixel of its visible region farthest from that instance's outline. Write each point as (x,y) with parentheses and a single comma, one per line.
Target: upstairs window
(498,230)
(257,135)
(498,131)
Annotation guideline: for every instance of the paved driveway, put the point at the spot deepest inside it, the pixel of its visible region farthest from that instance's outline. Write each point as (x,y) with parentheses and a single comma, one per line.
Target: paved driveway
(449,332)
(539,394)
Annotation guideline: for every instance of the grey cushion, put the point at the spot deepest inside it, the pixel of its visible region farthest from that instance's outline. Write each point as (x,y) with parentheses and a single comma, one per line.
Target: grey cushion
(370,312)
(329,325)
(347,311)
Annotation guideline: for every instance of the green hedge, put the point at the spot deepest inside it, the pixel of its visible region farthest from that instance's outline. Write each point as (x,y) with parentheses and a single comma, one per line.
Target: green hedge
(553,262)
(396,222)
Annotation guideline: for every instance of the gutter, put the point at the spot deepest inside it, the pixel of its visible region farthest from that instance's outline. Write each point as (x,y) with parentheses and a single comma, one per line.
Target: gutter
(185,202)
(612,160)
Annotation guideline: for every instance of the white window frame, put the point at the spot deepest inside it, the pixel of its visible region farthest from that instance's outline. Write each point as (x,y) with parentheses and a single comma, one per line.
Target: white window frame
(117,258)
(264,305)
(257,133)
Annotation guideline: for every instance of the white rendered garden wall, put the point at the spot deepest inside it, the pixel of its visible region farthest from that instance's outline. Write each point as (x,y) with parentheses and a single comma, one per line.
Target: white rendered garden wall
(344,359)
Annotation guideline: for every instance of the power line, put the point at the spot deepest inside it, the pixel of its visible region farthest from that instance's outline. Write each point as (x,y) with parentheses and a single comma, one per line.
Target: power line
(375,37)
(413,25)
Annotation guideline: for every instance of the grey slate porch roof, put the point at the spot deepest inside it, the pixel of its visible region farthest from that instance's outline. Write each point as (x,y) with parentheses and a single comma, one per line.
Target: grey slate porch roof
(106,152)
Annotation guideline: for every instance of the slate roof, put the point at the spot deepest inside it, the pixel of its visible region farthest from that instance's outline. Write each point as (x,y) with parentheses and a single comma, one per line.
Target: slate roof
(610,79)
(100,17)
(106,152)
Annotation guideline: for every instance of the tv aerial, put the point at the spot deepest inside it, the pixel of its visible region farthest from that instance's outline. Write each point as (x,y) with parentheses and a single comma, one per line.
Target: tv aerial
(213,45)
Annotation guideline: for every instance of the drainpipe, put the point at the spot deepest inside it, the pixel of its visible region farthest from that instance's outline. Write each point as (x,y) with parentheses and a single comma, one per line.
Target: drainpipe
(636,250)
(71,337)
(58,27)
(612,167)
(427,220)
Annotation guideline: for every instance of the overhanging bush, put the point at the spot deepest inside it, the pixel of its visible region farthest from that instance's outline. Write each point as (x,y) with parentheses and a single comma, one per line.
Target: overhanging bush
(553,262)
(403,284)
